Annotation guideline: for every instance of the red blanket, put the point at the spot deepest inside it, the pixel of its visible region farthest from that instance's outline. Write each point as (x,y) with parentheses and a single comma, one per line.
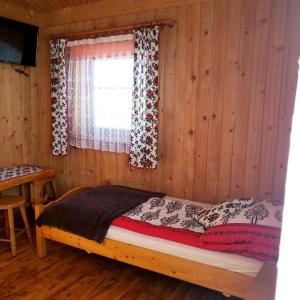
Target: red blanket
(260,242)
(183,236)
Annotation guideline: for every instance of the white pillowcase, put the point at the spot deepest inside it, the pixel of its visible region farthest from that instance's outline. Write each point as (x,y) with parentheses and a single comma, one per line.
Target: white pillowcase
(262,213)
(221,213)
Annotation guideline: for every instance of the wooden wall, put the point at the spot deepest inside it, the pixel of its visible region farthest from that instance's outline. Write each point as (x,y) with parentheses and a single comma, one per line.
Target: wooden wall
(228,74)
(18,95)
(17,115)
(19,13)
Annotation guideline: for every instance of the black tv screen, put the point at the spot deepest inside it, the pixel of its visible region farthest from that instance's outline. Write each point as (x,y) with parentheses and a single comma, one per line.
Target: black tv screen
(18,42)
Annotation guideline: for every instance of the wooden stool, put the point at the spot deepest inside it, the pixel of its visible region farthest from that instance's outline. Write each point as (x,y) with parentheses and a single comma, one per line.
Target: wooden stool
(9,203)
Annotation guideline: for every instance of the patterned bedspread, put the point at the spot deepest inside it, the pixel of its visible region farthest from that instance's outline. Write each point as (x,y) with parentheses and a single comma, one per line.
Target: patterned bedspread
(164,218)
(17,171)
(173,220)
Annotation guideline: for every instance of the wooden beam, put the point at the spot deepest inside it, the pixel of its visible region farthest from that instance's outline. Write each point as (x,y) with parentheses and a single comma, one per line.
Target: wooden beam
(103,8)
(19,13)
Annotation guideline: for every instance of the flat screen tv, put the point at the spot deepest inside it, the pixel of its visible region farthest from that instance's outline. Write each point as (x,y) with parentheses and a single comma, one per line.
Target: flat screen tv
(18,42)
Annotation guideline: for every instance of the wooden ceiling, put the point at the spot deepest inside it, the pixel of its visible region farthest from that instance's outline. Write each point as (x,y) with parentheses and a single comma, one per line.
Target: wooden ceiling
(48,5)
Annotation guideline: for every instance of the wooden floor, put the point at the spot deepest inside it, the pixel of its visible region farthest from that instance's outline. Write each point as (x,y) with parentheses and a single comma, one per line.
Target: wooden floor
(68,273)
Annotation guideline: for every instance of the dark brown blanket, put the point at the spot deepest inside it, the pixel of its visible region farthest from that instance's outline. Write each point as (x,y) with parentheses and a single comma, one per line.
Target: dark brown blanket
(90,214)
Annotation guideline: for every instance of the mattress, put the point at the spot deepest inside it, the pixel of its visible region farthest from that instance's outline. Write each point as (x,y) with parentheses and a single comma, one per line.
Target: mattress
(231,262)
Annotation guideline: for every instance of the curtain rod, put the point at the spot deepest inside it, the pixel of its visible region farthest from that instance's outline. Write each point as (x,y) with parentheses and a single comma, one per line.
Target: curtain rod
(110,31)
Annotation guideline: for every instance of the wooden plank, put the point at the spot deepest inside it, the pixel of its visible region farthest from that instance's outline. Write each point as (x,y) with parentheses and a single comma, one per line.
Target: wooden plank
(272,98)
(19,13)
(229,100)
(190,113)
(111,8)
(47,5)
(216,103)
(14,114)
(258,79)
(243,99)
(169,40)
(288,93)
(177,182)
(204,94)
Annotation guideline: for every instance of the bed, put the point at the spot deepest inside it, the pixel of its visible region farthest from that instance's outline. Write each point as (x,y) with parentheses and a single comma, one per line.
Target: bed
(230,274)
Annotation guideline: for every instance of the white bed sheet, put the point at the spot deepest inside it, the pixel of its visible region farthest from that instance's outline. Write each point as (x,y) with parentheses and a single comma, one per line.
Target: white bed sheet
(231,262)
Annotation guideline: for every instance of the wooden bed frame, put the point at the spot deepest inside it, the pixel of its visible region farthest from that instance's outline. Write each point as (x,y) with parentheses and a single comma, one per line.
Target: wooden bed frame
(222,280)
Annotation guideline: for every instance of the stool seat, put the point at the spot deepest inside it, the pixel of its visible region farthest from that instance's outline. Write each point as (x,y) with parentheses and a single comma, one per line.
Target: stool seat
(11,202)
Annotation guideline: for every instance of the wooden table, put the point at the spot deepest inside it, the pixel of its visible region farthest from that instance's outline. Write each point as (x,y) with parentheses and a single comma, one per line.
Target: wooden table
(37,181)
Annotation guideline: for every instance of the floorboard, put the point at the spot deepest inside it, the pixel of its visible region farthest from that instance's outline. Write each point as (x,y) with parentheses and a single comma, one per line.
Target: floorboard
(68,273)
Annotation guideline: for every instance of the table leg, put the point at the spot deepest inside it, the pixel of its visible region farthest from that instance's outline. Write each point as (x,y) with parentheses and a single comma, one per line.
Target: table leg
(36,188)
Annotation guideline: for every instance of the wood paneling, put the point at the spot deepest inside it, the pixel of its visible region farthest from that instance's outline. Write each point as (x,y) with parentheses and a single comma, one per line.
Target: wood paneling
(18,97)
(17,115)
(11,10)
(17,91)
(227,84)
(48,5)
(221,95)
(49,12)
(108,8)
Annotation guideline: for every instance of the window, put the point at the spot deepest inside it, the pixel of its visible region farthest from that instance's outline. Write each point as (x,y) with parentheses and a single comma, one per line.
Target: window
(92,82)
(100,82)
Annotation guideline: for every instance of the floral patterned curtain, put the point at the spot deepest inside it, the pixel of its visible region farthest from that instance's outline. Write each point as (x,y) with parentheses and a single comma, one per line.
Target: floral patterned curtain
(58,97)
(144,133)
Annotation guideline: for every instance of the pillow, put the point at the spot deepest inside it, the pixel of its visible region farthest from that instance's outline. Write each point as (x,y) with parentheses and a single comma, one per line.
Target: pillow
(220,213)
(262,213)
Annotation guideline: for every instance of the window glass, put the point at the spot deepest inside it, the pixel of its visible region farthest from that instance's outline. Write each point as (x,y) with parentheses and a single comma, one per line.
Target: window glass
(113,82)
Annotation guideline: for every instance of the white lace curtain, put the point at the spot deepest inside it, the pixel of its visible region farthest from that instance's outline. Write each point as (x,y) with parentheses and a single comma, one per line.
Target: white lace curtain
(99,92)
